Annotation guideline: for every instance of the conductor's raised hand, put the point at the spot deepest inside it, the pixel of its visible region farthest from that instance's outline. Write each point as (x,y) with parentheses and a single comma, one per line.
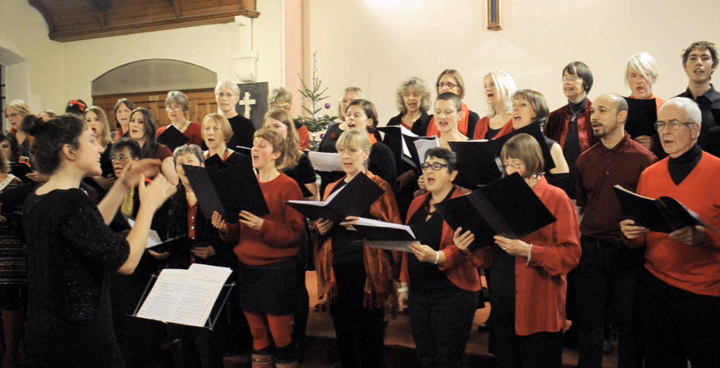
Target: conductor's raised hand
(250,220)
(131,174)
(630,230)
(155,193)
(323,225)
(462,240)
(219,222)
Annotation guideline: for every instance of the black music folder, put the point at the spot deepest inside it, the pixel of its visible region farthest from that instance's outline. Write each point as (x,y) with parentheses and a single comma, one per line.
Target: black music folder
(227,191)
(642,115)
(172,137)
(663,215)
(479,162)
(407,145)
(506,207)
(353,199)
(21,170)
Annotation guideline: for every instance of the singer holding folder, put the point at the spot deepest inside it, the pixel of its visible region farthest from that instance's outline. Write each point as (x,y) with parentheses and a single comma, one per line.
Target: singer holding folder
(355,279)
(71,249)
(267,250)
(442,280)
(528,275)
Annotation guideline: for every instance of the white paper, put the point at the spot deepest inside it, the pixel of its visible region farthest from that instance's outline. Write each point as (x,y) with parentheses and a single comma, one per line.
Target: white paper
(397,245)
(153,236)
(424,144)
(409,133)
(325,161)
(185,297)
(362,221)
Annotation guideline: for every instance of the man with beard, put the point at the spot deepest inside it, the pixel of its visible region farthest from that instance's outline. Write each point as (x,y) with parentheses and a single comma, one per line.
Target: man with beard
(607,268)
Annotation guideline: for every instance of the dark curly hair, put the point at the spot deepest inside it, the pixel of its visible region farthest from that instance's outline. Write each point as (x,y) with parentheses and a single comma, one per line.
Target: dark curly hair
(50,139)
(14,147)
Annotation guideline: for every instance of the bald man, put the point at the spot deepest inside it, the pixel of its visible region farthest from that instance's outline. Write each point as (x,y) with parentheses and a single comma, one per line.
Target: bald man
(607,268)
(680,286)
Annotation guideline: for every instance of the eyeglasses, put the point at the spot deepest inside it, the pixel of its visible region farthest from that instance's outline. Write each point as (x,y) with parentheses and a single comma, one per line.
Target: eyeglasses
(513,164)
(435,166)
(114,158)
(174,107)
(448,85)
(672,125)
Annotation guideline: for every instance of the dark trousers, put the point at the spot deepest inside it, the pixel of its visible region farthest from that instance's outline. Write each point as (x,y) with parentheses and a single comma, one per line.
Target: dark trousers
(360,331)
(607,271)
(679,326)
(441,324)
(538,350)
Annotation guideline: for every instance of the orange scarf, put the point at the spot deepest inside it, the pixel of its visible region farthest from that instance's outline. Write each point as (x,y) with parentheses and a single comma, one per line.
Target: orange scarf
(378,290)
(462,125)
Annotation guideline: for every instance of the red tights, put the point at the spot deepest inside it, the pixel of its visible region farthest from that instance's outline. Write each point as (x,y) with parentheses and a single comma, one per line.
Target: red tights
(266,328)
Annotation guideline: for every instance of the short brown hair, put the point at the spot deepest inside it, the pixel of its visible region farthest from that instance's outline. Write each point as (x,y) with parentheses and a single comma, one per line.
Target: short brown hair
(702,45)
(525,148)
(536,100)
(222,123)
(275,139)
(292,142)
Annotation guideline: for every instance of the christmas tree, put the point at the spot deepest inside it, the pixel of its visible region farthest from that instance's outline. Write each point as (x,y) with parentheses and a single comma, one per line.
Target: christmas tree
(314,94)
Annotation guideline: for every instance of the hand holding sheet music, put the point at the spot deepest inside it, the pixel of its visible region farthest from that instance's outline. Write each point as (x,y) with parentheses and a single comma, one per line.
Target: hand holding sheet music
(664,215)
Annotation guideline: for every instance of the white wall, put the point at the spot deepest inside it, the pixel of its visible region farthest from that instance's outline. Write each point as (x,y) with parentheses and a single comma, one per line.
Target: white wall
(56,72)
(374,44)
(36,77)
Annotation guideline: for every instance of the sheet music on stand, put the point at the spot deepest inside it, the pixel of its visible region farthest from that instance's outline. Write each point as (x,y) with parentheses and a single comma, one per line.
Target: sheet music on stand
(185,297)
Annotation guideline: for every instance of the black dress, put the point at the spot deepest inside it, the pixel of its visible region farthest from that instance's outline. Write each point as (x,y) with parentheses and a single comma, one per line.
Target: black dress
(243,131)
(70,255)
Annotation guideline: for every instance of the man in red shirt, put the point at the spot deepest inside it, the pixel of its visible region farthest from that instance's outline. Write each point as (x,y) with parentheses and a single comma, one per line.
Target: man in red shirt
(680,292)
(607,268)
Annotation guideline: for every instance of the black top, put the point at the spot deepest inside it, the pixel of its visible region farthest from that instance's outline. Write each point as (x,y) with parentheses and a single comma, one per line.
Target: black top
(709,104)
(380,163)
(70,254)
(243,131)
(302,173)
(427,277)
(347,245)
(491,133)
(681,166)
(107,172)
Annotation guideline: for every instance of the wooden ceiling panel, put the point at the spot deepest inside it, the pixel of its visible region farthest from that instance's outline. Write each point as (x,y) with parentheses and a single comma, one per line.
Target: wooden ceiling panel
(71,20)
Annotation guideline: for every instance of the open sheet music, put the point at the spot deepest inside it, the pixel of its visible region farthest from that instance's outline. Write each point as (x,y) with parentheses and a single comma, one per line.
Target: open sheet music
(385,235)
(325,161)
(185,297)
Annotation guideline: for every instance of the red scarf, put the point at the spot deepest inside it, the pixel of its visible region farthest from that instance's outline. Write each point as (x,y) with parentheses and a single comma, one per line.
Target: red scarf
(462,125)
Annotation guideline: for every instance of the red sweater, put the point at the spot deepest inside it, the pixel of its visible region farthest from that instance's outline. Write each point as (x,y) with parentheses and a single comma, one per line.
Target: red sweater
(459,268)
(278,238)
(541,285)
(692,268)
(193,132)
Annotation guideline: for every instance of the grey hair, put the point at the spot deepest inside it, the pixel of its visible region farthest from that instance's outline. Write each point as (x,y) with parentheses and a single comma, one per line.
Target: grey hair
(644,64)
(692,110)
(179,98)
(189,148)
(419,86)
(229,85)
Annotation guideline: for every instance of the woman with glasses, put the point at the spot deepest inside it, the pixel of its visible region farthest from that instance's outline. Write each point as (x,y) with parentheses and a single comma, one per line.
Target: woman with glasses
(227,95)
(450,81)
(15,112)
(356,280)
(528,275)
(176,106)
(439,281)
